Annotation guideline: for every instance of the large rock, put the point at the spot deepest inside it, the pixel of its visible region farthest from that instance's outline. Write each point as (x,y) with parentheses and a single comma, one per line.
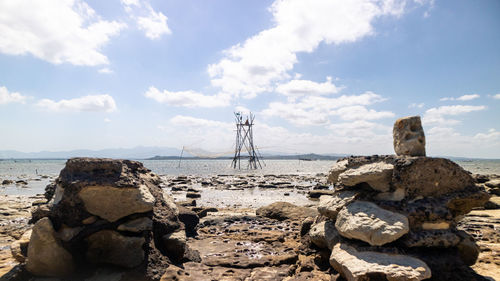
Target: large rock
(329,206)
(367,222)
(378,175)
(425,176)
(46,255)
(136,225)
(111,203)
(285,210)
(356,265)
(108,246)
(19,248)
(409,137)
(175,244)
(324,234)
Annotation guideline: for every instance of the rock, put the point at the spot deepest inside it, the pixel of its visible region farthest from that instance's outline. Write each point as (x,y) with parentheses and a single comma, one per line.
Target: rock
(377,175)
(66,233)
(46,255)
(305,226)
(19,248)
(356,265)
(329,206)
(467,248)
(7,182)
(21,182)
(111,203)
(107,246)
(193,195)
(409,137)
(136,225)
(493,203)
(431,238)
(313,194)
(285,210)
(39,212)
(495,183)
(367,222)
(190,220)
(50,189)
(324,234)
(175,244)
(339,167)
(426,176)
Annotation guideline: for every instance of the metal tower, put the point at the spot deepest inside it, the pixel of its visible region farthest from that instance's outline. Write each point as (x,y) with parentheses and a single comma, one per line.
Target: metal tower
(244,139)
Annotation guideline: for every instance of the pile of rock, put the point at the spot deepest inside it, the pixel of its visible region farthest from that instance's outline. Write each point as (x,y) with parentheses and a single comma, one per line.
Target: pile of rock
(394,217)
(107,211)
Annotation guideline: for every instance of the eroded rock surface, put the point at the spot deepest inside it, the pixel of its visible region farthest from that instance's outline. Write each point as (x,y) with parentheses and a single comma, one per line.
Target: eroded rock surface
(363,265)
(409,137)
(367,222)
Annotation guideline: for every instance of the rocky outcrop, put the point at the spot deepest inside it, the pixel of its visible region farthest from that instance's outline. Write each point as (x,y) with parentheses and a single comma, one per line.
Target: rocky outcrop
(409,137)
(394,214)
(106,211)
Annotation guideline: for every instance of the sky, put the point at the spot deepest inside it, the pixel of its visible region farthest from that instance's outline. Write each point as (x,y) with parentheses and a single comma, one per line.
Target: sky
(321,76)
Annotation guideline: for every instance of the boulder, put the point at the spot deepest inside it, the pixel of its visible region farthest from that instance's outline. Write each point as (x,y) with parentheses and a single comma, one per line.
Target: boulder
(46,255)
(285,210)
(108,246)
(409,137)
(356,265)
(329,206)
(367,222)
(377,175)
(467,248)
(190,220)
(175,244)
(426,176)
(324,234)
(111,203)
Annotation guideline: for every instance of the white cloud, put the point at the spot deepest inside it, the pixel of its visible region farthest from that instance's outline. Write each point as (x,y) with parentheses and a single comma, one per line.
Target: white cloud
(437,115)
(359,128)
(461,98)
(153,23)
(416,105)
(298,88)
(446,141)
(107,120)
(6,97)
(497,96)
(359,112)
(468,97)
(105,70)
(58,31)
(187,98)
(90,103)
(300,26)
(314,110)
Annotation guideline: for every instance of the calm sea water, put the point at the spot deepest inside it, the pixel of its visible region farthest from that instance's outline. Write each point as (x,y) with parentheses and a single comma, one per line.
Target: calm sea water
(38,173)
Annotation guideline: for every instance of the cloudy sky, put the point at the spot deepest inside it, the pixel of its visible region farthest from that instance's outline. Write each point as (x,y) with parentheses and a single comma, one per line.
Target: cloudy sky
(323,76)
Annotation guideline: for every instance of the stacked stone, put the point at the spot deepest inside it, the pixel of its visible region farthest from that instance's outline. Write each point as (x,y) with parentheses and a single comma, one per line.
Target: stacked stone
(394,217)
(106,211)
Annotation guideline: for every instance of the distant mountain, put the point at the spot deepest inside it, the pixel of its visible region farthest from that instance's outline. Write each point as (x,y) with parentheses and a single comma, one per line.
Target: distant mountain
(305,157)
(140,152)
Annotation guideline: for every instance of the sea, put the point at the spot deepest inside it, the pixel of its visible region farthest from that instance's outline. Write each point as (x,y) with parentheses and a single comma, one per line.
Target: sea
(38,173)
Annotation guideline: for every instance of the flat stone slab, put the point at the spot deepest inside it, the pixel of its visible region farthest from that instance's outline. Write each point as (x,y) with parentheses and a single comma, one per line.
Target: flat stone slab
(378,175)
(364,265)
(111,203)
(330,206)
(368,222)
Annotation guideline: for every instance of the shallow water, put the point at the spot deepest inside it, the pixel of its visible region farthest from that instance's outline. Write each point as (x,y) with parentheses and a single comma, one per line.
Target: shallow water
(39,173)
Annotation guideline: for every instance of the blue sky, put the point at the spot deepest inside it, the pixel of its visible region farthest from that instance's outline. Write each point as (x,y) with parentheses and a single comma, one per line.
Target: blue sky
(321,76)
